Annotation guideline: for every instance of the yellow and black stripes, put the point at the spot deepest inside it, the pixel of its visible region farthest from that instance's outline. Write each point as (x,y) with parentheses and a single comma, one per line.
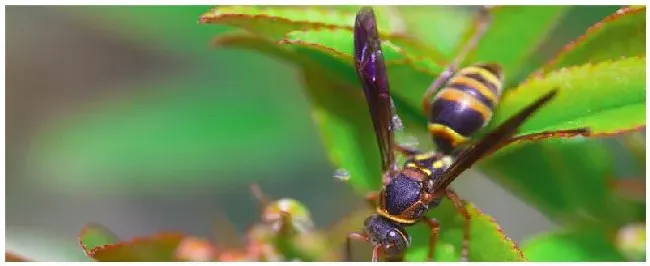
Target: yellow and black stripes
(430,164)
(464,105)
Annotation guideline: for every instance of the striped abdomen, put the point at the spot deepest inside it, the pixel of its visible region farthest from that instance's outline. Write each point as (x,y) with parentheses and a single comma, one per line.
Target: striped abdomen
(464,105)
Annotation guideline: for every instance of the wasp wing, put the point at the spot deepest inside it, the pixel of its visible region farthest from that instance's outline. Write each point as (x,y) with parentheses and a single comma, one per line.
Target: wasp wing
(501,134)
(371,70)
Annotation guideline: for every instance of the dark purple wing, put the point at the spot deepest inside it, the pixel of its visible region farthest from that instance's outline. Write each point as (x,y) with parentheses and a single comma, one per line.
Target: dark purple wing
(473,153)
(369,63)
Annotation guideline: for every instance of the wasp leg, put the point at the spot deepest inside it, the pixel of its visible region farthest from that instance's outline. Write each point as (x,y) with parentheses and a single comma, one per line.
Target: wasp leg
(375,253)
(372,198)
(483,22)
(433,239)
(348,244)
(460,206)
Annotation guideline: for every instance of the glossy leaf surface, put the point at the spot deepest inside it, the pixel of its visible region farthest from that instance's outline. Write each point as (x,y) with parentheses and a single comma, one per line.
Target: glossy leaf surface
(485,232)
(514,33)
(607,97)
(621,34)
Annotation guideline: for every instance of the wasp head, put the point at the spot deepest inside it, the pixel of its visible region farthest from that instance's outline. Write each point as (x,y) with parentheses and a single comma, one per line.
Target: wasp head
(389,236)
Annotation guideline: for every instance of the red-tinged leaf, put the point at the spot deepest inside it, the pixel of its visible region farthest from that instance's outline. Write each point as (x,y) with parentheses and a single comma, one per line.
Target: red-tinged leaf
(336,42)
(12,257)
(196,249)
(607,97)
(96,235)
(290,18)
(279,23)
(275,22)
(619,35)
(514,33)
(160,247)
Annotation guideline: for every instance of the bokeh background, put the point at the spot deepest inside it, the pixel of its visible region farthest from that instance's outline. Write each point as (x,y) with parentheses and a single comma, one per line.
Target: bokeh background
(126,116)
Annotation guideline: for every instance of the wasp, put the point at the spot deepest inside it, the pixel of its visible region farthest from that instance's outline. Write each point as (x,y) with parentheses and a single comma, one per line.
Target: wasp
(461,108)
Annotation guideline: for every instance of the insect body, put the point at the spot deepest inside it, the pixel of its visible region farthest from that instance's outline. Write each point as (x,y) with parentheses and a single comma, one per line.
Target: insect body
(460,109)
(464,105)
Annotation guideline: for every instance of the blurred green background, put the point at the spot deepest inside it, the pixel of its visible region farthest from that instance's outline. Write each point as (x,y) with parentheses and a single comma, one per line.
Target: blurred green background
(125,116)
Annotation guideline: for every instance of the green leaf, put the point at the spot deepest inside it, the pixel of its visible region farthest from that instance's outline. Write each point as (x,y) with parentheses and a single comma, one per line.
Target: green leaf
(488,242)
(338,103)
(607,97)
(564,179)
(337,43)
(95,235)
(275,21)
(340,116)
(515,33)
(576,245)
(441,27)
(155,248)
(621,34)
(313,25)
(345,126)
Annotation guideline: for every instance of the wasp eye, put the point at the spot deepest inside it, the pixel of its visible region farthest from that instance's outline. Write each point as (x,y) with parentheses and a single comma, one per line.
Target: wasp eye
(395,243)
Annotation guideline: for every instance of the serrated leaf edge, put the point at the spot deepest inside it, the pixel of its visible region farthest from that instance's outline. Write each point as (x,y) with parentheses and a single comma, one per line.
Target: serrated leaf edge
(518,89)
(500,231)
(544,69)
(136,240)
(411,59)
(348,59)
(433,55)
(88,227)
